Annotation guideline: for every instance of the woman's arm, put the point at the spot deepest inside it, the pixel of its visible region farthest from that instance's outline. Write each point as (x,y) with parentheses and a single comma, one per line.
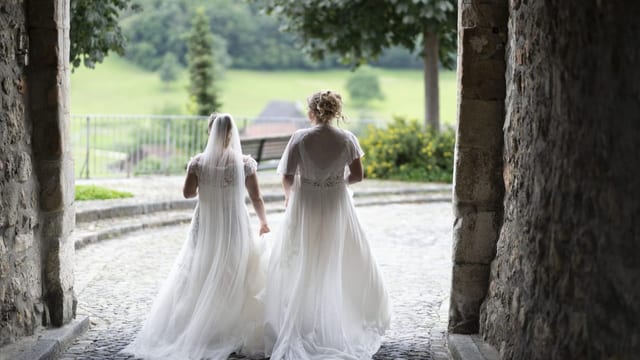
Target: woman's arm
(355,171)
(251,183)
(190,188)
(287,184)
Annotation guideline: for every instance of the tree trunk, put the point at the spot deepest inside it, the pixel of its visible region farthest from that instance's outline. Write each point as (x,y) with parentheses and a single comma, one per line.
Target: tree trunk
(431,90)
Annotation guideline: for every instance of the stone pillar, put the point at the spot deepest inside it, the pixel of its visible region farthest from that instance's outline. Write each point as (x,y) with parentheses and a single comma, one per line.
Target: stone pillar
(21,306)
(478,188)
(48,86)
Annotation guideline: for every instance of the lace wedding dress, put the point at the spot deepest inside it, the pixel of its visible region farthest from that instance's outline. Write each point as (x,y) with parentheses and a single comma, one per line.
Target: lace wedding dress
(209,306)
(325,296)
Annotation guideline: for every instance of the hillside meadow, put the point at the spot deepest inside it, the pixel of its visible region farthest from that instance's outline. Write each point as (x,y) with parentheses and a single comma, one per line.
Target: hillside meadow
(119,87)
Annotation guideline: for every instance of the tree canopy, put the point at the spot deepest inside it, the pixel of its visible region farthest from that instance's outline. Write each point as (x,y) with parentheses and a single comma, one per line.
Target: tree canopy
(95,30)
(360,30)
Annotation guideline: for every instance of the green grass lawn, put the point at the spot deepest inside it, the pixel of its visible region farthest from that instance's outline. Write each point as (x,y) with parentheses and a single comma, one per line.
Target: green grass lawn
(92,192)
(119,87)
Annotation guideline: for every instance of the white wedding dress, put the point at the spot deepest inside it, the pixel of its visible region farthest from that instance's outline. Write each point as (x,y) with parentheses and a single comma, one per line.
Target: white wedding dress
(210,306)
(325,295)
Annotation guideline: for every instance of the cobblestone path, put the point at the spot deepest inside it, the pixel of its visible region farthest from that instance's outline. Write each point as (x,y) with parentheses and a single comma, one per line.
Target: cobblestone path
(117,279)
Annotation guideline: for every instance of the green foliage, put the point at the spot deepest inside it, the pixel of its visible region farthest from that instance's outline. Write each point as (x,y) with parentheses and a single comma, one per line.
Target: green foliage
(92,192)
(407,151)
(169,70)
(364,86)
(95,30)
(253,40)
(360,30)
(153,165)
(202,67)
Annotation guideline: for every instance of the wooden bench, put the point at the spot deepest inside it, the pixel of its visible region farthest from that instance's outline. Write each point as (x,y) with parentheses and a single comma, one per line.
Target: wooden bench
(265,148)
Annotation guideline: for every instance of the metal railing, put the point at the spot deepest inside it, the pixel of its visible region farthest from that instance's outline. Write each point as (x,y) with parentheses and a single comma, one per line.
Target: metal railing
(132,145)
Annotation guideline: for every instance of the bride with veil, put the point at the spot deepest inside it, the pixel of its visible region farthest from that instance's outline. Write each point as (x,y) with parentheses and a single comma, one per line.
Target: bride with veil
(210,305)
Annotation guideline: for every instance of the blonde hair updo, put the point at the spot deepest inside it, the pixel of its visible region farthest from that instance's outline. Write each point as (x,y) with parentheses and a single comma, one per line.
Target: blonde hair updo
(325,105)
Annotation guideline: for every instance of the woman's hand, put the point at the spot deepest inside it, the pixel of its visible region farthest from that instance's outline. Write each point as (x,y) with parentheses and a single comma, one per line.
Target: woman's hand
(264,228)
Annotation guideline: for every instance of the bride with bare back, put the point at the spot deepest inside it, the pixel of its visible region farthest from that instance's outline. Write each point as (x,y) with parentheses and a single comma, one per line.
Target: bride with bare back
(210,305)
(325,298)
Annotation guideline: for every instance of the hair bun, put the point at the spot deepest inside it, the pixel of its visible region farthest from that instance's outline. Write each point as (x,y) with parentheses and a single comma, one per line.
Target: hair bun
(325,105)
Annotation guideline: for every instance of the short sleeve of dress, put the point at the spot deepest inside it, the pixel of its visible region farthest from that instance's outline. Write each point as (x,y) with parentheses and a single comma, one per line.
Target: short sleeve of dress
(194,165)
(353,146)
(250,165)
(290,158)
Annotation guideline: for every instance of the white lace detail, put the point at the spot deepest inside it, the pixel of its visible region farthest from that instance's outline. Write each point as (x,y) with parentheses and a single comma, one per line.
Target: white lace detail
(324,183)
(250,165)
(205,179)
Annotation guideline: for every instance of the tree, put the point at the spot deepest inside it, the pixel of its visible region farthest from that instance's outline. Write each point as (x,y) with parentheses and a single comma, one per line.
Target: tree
(363,86)
(169,68)
(95,30)
(202,69)
(359,30)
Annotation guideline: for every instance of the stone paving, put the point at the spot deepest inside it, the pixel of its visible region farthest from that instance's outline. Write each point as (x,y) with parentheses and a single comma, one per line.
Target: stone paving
(117,279)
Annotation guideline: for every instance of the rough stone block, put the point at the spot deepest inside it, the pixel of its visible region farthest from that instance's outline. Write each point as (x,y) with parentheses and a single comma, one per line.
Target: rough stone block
(43,93)
(24,166)
(23,242)
(3,249)
(51,191)
(475,236)
(10,196)
(480,124)
(482,44)
(59,265)
(59,280)
(483,13)
(483,80)
(59,223)
(42,14)
(478,178)
(44,47)
(469,287)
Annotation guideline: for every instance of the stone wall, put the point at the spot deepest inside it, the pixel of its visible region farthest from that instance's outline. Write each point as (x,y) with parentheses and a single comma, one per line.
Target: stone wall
(21,304)
(565,280)
(36,168)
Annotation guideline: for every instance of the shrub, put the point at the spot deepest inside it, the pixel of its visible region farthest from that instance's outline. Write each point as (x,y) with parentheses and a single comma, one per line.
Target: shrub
(153,165)
(405,150)
(92,192)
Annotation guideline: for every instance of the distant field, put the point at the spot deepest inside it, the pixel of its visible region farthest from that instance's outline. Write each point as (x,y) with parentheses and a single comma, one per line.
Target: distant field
(118,87)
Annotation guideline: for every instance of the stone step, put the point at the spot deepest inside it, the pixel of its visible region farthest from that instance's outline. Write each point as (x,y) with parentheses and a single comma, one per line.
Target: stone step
(128,208)
(46,344)
(470,347)
(105,228)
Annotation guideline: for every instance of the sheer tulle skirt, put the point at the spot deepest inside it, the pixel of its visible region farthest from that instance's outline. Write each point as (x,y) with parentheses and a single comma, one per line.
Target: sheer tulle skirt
(209,306)
(325,296)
